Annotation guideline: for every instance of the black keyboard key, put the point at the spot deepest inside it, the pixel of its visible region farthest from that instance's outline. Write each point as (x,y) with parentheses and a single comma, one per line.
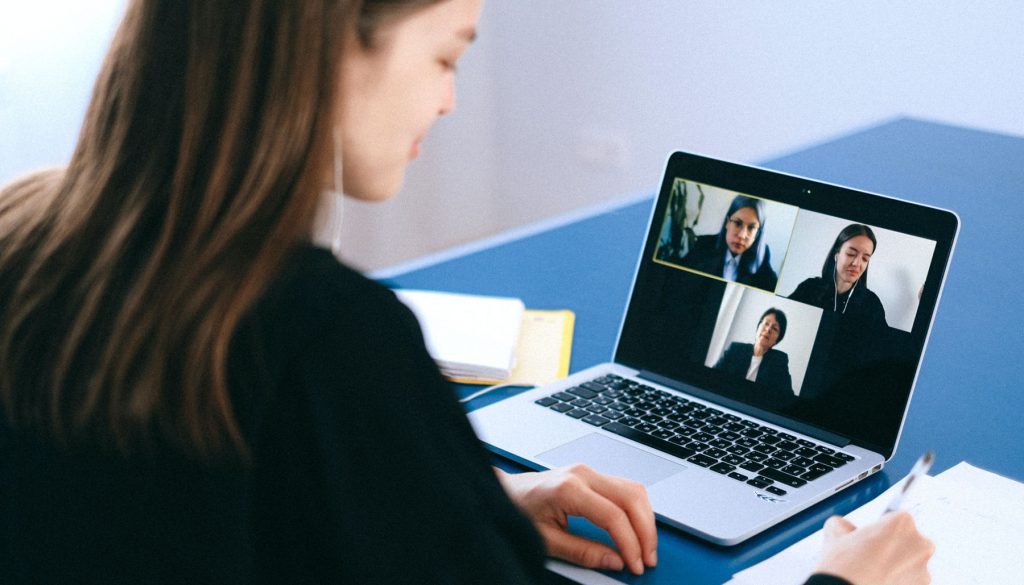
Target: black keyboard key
(596,420)
(733,459)
(802,461)
(758,483)
(745,442)
(619,406)
(783,478)
(694,423)
(635,412)
(713,411)
(719,443)
(679,417)
(679,439)
(829,460)
(612,414)
(806,452)
(630,421)
(751,466)
(774,490)
(770,439)
(845,456)
(731,417)
(751,433)
(703,437)
(820,468)
(562,407)
(737,450)
(756,456)
(787,445)
(661,411)
(768,430)
(663,434)
(722,468)
(646,427)
(793,470)
(824,449)
(651,418)
(712,429)
(702,460)
(700,414)
(582,392)
(805,443)
(787,436)
(604,401)
(564,397)
(775,463)
(738,476)
(716,453)
(767,449)
(765,479)
(686,431)
(546,401)
(581,403)
(696,446)
(659,444)
(578,413)
(668,424)
(784,455)
(594,387)
(734,427)
(718,421)
(813,474)
(728,435)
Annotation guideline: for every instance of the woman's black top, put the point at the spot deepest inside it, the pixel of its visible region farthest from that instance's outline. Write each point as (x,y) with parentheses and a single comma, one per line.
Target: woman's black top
(364,468)
(858,304)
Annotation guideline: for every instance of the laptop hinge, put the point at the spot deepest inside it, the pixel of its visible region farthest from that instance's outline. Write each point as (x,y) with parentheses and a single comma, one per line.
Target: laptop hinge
(783,421)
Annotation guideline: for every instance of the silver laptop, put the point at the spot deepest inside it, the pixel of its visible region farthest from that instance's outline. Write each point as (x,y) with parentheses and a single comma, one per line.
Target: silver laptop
(770,346)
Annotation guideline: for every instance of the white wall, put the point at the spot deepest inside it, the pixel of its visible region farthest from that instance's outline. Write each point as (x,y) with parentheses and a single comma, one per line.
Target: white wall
(570,103)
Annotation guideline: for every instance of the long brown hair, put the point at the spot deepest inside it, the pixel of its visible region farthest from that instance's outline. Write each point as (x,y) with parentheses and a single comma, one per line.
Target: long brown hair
(199,166)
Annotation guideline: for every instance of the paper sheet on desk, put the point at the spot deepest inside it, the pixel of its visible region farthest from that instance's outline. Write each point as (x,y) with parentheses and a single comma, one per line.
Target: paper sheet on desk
(975,518)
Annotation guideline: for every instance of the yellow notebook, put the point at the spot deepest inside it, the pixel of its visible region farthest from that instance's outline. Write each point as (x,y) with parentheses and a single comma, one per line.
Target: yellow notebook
(543,351)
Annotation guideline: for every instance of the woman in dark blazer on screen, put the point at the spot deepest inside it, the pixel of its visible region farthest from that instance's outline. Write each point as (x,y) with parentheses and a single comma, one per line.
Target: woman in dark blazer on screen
(739,251)
(759,361)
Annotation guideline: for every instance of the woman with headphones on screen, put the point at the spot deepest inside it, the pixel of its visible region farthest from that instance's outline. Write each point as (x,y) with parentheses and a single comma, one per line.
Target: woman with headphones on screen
(191,391)
(843,286)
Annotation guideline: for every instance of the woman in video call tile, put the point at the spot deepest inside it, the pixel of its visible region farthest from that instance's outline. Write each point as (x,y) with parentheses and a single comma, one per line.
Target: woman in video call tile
(760,362)
(738,252)
(843,285)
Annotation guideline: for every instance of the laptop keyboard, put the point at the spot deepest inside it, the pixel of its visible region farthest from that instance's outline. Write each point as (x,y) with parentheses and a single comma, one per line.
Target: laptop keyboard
(742,449)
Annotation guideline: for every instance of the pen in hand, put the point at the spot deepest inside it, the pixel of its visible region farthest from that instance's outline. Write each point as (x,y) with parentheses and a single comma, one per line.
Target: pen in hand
(924,463)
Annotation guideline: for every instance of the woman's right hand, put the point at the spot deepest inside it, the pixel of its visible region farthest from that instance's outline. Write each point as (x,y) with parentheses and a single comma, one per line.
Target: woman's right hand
(888,552)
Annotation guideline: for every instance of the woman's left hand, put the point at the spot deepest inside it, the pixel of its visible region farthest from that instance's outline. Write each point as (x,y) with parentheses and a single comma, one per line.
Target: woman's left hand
(617,505)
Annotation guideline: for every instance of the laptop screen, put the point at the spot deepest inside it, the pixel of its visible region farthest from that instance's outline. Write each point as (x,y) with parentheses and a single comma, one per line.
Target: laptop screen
(797,298)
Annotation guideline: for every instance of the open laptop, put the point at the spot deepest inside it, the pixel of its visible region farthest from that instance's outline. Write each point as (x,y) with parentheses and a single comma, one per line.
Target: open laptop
(742,394)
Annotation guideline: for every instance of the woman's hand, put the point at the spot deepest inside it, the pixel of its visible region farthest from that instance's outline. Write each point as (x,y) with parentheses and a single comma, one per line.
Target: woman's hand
(617,505)
(888,552)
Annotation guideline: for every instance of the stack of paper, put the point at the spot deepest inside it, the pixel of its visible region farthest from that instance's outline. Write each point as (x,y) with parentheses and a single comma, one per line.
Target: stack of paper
(470,337)
(490,340)
(973,516)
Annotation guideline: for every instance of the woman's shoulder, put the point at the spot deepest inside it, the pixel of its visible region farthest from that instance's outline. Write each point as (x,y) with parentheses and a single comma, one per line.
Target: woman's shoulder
(315,295)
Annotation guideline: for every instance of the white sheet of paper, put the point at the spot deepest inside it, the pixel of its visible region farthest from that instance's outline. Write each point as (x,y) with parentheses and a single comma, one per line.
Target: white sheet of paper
(975,518)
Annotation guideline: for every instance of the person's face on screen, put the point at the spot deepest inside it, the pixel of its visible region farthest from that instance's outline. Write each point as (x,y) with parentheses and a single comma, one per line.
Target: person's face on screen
(394,91)
(852,260)
(741,230)
(768,331)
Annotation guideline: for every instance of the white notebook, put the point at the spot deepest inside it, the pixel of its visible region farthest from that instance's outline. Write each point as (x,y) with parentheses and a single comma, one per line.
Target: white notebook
(469,336)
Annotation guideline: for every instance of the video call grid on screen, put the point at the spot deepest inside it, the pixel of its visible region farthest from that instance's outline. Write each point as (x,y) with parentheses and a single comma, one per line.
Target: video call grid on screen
(684,327)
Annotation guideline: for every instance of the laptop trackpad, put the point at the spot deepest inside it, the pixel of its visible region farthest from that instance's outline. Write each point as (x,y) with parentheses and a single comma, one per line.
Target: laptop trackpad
(607,455)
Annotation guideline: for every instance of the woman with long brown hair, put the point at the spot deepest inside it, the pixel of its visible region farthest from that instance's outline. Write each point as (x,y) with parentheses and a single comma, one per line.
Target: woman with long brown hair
(191,391)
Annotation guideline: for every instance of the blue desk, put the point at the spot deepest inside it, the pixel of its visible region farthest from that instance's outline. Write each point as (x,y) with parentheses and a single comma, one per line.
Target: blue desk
(969,394)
